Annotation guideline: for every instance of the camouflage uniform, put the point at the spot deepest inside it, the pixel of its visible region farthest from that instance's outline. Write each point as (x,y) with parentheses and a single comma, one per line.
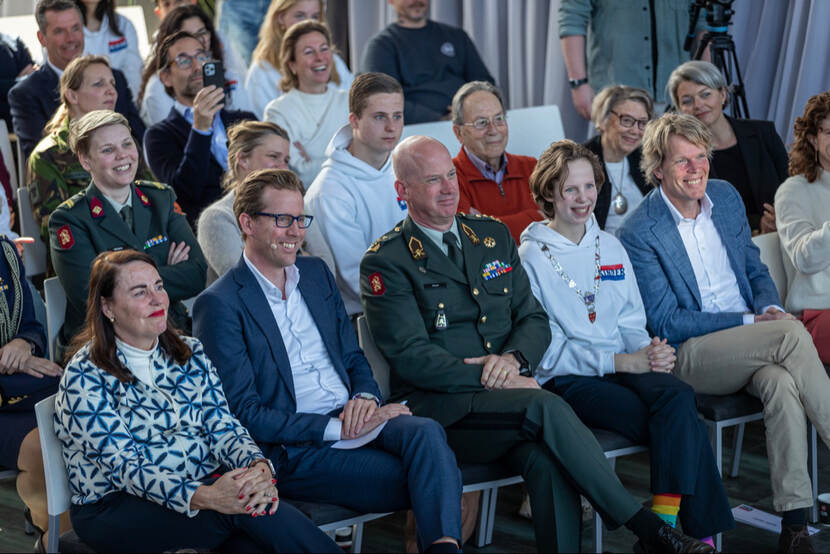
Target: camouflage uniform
(55,174)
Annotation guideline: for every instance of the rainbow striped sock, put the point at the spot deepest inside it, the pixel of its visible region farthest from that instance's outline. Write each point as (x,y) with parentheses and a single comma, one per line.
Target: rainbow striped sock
(708,540)
(666,507)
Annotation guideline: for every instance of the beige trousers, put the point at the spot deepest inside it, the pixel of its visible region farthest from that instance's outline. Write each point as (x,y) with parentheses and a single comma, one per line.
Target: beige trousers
(777,362)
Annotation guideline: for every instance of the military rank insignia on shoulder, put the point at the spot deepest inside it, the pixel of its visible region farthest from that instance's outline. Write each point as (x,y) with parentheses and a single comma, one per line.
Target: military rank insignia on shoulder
(71,201)
(151,184)
(383,239)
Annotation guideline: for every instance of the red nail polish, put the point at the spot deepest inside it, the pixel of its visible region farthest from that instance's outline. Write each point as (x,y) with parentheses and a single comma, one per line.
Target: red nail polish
(247,508)
(254,514)
(273,499)
(273,481)
(262,513)
(241,497)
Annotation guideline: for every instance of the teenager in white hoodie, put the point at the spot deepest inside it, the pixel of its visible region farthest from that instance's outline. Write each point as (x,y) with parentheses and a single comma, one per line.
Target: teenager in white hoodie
(601,359)
(353,199)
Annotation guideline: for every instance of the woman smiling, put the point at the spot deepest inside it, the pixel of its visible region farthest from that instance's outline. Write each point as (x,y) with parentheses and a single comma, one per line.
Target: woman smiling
(116,212)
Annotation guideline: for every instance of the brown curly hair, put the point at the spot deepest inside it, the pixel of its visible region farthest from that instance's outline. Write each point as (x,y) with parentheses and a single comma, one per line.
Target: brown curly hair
(803,155)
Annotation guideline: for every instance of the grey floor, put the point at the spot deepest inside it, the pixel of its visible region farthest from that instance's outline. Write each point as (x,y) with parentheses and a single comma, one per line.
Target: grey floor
(514,534)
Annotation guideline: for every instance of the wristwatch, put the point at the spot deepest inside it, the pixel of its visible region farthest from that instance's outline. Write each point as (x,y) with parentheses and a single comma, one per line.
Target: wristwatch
(367,396)
(270,466)
(524,366)
(577,82)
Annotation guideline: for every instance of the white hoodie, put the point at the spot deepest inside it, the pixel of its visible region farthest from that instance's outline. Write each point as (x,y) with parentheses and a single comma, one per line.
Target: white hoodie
(353,204)
(579,347)
(122,51)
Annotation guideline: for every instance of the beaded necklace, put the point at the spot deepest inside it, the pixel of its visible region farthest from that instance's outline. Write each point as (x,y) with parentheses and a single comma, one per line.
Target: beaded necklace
(588,298)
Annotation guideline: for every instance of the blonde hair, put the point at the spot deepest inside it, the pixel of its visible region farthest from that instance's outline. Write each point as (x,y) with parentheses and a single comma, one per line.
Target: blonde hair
(248,196)
(242,139)
(271,31)
(655,146)
(551,172)
(289,43)
(81,131)
(609,97)
(72,79)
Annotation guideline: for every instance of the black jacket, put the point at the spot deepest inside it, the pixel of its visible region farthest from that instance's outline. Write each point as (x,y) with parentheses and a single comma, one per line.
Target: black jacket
(604,196)
(34,100)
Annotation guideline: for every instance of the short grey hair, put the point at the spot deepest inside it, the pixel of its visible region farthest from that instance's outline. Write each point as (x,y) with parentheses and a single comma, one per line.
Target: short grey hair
(466,90)
(609,97)
(53,6)
(698,71)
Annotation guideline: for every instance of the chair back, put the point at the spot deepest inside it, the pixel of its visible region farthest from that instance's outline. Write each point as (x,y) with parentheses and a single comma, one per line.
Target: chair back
(8,157)
(136,16)
(439,130)
(770,246)
(55,312)
(533,129)
(24,27)
(35,254)
(379,365)
(57,485)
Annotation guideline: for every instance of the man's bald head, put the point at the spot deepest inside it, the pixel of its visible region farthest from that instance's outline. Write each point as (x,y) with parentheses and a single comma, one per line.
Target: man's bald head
(408,155)
(425,178)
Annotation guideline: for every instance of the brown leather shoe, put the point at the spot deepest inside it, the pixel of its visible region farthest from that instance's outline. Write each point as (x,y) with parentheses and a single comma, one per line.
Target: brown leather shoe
(795,539)
(670,540)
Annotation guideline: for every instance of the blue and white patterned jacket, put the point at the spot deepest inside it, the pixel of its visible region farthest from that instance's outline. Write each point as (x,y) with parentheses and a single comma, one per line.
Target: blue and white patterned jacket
(153,442)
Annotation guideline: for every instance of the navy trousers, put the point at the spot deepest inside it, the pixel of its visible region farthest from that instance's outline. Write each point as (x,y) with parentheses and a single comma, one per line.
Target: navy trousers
(658,410)
(121,522)
(408,465)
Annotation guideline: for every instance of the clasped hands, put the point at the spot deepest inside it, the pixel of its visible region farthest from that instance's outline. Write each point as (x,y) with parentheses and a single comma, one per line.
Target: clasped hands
(501,371)
(773,314)
(245,490)
(657,356)
(16,357)
(361,415)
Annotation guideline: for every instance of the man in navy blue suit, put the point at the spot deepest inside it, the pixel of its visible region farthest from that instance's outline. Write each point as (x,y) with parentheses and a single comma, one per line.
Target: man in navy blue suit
(705,288)
(279,335)
(188,149)
(34,100)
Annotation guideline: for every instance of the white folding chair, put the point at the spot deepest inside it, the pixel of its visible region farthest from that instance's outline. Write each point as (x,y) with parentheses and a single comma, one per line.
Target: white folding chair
(55,312)
(770,246)
(439,130)
(57,485)
(533,129)
(35,256)
(136,16)
(8,157)
(25,27)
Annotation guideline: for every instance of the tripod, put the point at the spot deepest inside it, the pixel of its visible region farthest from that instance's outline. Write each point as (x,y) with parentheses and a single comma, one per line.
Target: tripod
(722,50)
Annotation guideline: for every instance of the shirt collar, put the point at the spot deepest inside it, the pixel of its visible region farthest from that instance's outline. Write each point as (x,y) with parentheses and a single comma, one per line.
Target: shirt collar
(483,167)
(53,66)
(117,206)
(705,207)
(292,280)
(438,236)
(182,109)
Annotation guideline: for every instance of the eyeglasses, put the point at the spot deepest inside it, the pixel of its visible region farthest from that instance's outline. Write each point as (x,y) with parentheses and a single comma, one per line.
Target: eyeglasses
(287,220)
(482,123)
(627,121)
(185,61)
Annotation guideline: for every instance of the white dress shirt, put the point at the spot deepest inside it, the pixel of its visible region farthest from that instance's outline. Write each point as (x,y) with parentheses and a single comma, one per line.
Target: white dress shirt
(719,291)
(317,385)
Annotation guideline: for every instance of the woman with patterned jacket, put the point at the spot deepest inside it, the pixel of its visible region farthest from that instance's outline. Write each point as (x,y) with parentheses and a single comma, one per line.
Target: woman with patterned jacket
(145,429)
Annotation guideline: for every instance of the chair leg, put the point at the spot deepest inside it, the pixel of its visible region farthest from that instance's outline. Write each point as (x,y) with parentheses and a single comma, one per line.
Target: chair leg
(54,534)
(357,538)
(736,449)
(491,515)
(483,513)
(717,443)
(812,461)
(597,532)
(719,542)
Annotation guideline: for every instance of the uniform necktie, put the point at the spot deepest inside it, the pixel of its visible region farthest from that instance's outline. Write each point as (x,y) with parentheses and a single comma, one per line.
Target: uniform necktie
(453,252)
(127,215)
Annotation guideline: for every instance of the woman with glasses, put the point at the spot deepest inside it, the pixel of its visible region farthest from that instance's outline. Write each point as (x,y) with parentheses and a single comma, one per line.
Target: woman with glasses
(116,212)
(620,114)
(155,103)
(312,109)
(747,153)
(252,145)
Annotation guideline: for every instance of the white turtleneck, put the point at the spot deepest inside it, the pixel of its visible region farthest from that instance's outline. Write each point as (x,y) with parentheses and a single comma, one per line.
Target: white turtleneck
(139,361)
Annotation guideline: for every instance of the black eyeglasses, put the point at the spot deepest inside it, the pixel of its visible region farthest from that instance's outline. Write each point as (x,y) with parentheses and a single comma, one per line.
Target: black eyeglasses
(287,220)
(627,121)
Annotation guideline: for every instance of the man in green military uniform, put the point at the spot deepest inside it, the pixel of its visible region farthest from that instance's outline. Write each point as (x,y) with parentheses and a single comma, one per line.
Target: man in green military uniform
(451,308)
(55,174)
(88,224)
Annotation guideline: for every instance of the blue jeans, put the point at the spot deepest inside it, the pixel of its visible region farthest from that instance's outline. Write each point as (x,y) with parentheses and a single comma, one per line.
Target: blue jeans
(239,22)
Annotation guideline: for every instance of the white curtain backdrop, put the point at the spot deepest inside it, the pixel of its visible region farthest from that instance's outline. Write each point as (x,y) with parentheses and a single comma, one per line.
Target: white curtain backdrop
(782,47)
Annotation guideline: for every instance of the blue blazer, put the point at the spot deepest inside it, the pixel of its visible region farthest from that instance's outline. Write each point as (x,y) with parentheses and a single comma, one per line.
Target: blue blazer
(34,100)
(233,320)
(664,273)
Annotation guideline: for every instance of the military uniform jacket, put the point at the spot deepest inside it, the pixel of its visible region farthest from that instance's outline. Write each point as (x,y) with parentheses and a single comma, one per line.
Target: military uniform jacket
(87,224)
(426,316)
(55,174)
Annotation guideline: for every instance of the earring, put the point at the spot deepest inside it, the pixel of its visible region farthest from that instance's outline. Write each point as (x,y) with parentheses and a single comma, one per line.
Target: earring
(112,320)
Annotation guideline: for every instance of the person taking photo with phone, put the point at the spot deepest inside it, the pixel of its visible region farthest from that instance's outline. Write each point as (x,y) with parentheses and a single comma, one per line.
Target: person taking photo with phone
(188,149)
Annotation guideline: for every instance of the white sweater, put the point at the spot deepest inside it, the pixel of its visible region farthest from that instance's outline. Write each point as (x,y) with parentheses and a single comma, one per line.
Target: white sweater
(802,215)
(312,120)
(122,51)
(579,347)
(263,82)
(353,204)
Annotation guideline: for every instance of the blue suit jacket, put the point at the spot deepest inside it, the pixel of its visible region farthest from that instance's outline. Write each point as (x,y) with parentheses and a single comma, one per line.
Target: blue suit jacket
(664,273)
(233,320)
(34,100)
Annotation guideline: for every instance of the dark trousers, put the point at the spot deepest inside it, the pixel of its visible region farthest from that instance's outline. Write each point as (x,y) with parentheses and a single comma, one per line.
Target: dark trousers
(658,410)
(121,522)
(540,436)
(408,465)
